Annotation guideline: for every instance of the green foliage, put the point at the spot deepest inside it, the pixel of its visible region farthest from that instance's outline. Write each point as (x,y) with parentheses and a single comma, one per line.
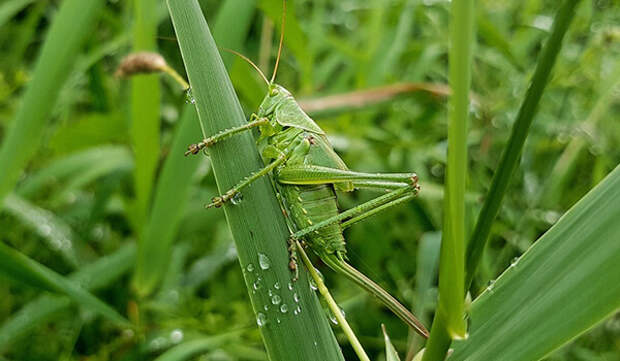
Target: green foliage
(78,167)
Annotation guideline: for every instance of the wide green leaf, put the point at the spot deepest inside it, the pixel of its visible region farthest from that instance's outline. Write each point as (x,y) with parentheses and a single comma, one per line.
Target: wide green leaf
(568,281)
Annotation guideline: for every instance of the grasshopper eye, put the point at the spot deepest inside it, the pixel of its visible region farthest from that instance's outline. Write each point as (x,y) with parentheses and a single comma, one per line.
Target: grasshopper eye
(273,92)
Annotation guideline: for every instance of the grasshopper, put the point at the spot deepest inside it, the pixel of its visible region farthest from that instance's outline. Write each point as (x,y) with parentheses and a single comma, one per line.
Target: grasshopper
(306,172)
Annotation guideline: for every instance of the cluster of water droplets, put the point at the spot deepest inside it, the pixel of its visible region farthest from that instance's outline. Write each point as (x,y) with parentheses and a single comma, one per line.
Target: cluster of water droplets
(275,306)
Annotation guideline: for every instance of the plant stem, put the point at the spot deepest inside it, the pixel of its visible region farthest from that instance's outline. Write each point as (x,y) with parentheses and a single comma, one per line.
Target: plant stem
(512,152)
(333,306)
(449,322)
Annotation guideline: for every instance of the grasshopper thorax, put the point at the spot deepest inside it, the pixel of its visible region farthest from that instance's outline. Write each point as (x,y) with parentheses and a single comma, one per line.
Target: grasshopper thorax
(280,107)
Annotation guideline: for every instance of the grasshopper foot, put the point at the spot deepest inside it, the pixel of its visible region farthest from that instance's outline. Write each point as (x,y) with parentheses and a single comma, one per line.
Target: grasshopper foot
(219,201)
(197,147)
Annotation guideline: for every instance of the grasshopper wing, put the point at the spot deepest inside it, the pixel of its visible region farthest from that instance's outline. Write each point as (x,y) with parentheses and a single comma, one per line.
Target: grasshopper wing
(289,114)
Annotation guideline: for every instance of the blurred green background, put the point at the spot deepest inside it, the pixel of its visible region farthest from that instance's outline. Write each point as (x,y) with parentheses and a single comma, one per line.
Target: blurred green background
(78,201)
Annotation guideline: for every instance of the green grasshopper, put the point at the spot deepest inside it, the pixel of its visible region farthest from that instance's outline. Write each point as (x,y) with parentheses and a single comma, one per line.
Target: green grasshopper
(306,171)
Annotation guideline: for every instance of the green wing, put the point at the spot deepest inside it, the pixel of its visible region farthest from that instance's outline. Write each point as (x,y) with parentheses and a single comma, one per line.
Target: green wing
(289,114)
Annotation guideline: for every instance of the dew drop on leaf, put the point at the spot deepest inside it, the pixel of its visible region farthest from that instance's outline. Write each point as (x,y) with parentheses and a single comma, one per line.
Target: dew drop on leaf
(263,261)
(261,319)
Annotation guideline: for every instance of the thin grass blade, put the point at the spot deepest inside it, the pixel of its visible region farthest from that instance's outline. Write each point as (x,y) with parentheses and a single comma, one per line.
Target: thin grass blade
(170,199)
(52,69)
(58,235)
(191,348)
(11,8)
(145,122)
(19,267)
(92,277)
(520,129)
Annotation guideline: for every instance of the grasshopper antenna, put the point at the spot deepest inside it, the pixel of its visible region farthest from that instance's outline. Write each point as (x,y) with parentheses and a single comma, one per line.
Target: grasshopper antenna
(249,62)
(275,68)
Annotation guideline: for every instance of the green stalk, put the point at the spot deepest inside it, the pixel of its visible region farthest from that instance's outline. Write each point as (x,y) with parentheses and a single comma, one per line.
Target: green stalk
(53,66)
(333,306)
(449,322)
(145,123)
(512,152)
(257,223)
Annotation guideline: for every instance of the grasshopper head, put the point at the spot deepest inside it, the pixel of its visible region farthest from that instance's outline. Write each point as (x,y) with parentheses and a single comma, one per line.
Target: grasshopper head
(275,95)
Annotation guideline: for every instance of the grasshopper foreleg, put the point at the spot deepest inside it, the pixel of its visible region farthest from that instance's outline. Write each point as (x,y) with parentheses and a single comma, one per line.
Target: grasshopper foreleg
(255,121)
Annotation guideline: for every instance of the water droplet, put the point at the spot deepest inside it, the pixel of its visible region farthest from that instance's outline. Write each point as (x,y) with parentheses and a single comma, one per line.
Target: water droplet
(278,320)
(333,318)
(237,198)
(514,261)
(283,308)
(263,261)
(189,97)
(256,285)
(290,286)
(296,297)
(313,284)
(270,293)
(297,310)
(250,267)
(176,335)
(46,229)
(261,319)
(491,285)
(276,299)
(276,285)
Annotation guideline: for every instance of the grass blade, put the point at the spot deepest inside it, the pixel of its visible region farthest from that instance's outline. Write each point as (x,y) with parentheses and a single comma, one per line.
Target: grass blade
(520,129)
(390,351)
(145,123)
(175,180)
(194,347)
(23,269)
(257,224)
(58,235)
(92,277)
(168,205)
(569,278)
(11,8)
(77,170)
(449,320)
(53,66)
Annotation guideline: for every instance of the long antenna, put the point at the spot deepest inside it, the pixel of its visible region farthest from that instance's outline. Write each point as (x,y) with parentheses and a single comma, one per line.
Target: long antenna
(249,62)
(275,68)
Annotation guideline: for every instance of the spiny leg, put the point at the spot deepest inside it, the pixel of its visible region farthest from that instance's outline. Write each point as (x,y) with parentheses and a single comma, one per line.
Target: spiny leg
(207,142)
(218,201)
(279,157)
(361,211)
